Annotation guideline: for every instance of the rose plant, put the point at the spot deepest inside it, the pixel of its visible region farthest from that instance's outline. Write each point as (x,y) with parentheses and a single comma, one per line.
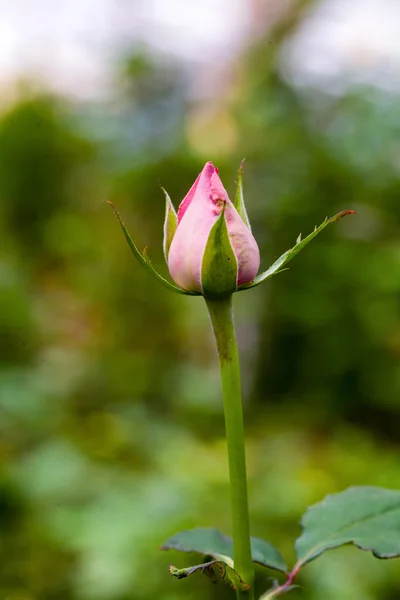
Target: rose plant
(211,251)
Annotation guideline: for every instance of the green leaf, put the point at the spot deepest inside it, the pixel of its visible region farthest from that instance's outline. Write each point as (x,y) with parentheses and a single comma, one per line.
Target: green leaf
(170,224)
(205,540)
(264,553)
(217,571)
(239,198)
(290,254)
(368,517)
(219,267)
(145,261)
(212,542)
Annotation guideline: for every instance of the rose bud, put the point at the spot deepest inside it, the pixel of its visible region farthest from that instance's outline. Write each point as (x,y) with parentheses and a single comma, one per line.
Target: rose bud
(208,246)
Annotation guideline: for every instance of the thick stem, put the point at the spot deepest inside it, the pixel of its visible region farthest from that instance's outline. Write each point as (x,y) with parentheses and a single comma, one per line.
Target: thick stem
(220,311)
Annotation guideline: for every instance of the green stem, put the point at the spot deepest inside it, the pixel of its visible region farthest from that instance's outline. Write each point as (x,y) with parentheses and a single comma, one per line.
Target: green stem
(220,311)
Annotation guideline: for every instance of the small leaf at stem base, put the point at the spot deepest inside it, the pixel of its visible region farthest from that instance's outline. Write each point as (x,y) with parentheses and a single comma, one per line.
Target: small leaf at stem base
(216,570)
(212,542)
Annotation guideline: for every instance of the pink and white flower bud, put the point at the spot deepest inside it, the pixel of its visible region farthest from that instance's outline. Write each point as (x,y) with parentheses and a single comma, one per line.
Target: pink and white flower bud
(197,214)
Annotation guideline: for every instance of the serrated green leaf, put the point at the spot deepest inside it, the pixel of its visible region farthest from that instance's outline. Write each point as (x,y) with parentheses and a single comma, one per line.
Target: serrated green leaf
(210,541)
(290,254)
(219,268)
(368,517)
(170,224)
(145,261)
(239,198)
(217,571)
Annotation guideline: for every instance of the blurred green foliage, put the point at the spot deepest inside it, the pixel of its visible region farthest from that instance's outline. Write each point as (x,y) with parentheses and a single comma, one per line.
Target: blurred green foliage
(111,430)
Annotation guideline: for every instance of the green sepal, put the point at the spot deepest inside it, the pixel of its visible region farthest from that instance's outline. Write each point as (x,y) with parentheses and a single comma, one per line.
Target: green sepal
(217,571)
(219,268)
(170,224)
(278,265)
(239,198)
(145,261)
(209,541)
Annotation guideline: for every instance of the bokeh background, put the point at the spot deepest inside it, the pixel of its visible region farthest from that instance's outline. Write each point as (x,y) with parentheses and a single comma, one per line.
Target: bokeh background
(111,428)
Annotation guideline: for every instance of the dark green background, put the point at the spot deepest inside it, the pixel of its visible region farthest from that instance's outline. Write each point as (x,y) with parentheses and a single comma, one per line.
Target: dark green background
(111,429)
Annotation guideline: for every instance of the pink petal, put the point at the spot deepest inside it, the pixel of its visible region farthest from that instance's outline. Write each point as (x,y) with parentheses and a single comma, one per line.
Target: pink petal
(196,216)
(244,245)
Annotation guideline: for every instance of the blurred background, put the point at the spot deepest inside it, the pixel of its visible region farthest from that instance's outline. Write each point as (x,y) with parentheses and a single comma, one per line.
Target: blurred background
(111,424)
